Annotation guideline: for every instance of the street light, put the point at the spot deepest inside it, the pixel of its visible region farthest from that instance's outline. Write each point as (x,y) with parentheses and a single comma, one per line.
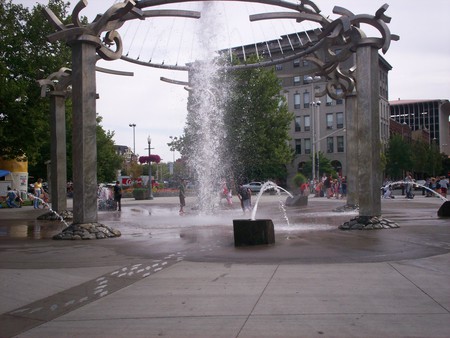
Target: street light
(149,140)
(312,104)
(172,147)
(133,125)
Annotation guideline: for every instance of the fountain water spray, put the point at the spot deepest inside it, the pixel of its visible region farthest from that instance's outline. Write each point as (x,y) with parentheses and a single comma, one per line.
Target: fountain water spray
(270,185)
(205,128)
(415,184)
(61,219)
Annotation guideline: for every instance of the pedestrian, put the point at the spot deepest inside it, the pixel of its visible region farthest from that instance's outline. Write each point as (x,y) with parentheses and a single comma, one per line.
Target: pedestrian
(37,193)
(408,186)
(245,196)
(11,198)
(118,195)
(182,196)
(444,186)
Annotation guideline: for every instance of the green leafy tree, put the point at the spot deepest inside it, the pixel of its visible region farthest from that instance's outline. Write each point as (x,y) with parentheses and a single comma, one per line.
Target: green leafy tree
(26,56)
(325,166)
(257,121)
(399,157)
(420,153)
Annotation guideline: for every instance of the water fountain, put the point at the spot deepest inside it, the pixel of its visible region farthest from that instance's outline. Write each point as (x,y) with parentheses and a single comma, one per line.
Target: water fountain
(257,231)
(443,211)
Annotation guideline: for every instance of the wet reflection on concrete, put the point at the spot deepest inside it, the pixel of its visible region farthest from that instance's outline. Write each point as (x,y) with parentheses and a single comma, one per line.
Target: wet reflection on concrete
(34,229)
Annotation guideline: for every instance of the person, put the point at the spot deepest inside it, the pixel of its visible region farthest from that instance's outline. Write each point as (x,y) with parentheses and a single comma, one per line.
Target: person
(182,196)
(37,193)
(245,196)
(11,198)
(444,186)
(409,184)
(388,192)
(118,195)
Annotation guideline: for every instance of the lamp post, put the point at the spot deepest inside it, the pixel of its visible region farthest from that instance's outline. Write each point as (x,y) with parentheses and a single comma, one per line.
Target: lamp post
(149,140)
(172,147)
(133,125)
(313,104)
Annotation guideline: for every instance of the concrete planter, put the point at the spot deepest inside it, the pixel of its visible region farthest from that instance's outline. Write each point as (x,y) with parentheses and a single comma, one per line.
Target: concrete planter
(253,232)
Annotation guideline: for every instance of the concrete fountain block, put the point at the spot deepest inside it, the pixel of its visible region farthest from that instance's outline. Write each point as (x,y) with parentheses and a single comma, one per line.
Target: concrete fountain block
(444,210)
(296,201)
(253,232)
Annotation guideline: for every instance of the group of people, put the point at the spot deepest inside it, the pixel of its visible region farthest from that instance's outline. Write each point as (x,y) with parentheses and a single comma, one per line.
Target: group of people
(432,186)
(328,187)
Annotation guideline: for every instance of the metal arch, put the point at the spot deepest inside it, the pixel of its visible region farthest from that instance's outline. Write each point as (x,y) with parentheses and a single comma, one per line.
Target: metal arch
(344,32)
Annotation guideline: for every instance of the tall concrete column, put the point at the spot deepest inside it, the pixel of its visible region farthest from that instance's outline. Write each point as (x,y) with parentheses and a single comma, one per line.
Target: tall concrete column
(368,131)
(84,140)
(58,187)
(351,123)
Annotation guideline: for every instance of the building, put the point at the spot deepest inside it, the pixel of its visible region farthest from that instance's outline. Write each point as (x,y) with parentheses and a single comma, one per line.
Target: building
(319,122)
(429,118)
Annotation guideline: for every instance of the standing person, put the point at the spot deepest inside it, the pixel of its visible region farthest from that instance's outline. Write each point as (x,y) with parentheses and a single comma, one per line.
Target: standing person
(444,186)
(245,195)
(11,198)
(118,195)
(182,196)
(37,192)
(409,184)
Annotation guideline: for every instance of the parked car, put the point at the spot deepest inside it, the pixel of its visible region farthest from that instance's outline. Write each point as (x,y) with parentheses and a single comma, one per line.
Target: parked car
(254,187)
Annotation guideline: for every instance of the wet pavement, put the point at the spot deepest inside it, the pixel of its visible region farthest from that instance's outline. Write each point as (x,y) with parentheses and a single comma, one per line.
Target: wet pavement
(71,288)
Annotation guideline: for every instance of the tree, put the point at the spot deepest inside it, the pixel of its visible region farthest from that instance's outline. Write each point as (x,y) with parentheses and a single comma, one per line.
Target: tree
(257,121)
(26,56)
(399,158)
(324,166)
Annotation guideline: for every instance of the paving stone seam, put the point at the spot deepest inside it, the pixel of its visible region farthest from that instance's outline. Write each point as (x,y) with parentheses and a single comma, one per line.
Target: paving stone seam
(44,310)
(419,288)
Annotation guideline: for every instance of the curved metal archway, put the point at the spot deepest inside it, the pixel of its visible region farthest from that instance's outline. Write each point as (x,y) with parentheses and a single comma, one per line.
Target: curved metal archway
(96,40)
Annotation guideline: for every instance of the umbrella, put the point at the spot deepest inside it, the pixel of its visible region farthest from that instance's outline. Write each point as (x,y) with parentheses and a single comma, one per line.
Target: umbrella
(4,172)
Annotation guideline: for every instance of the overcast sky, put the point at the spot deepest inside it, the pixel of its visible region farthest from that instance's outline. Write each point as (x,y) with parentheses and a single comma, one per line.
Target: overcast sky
(420,61)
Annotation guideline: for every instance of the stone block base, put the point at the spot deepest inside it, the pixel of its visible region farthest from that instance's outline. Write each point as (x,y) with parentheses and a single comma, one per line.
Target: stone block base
(253,232)
(444,210)
(297,201)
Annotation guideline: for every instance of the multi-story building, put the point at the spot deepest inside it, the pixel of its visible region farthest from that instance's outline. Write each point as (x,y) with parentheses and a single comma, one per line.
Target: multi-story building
(429,116)
(319,122)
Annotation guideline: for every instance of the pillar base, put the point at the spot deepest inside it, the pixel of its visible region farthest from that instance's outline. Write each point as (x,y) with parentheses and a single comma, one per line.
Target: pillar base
(253,232)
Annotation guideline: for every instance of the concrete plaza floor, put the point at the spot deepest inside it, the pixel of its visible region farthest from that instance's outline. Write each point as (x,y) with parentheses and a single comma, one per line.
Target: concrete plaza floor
(182,276)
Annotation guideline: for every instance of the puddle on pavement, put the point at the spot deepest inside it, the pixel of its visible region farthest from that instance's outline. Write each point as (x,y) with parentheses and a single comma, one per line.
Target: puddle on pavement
(30,230)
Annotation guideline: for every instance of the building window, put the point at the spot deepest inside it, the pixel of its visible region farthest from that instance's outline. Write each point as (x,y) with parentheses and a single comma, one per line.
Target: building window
(329,100)
(306,99)
(296,80)
(307,146)
(329,121)
(278,67)
(297,63)
(340,144)
(296,101)
(298,147)
(298,123)
(307,123)
(330,145)
(339,120)
(339,92)
(305,63)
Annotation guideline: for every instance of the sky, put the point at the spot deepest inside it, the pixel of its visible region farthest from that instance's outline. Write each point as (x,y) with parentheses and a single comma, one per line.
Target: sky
(420,60)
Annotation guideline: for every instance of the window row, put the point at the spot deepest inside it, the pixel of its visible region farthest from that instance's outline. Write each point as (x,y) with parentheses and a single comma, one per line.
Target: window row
(307,100)
(329,121)
(303,146)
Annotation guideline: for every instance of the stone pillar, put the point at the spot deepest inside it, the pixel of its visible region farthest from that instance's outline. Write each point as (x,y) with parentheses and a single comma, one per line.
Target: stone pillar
(84,125)
(368,131)
(58,180)
(351,123)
